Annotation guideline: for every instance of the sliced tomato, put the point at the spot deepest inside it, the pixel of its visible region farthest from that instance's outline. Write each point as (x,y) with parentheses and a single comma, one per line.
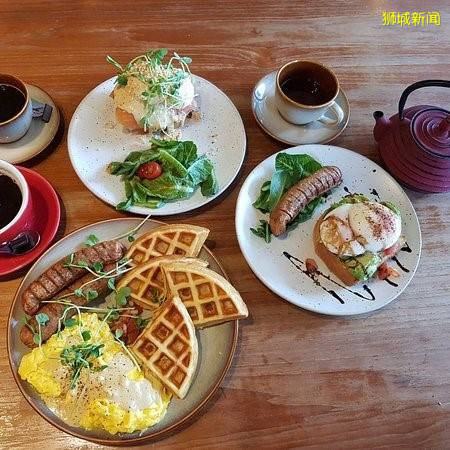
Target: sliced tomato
(384,271)
(150,170)
(391,251)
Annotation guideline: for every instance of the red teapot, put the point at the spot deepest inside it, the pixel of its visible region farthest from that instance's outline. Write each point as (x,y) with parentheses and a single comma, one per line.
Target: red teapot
(415,143)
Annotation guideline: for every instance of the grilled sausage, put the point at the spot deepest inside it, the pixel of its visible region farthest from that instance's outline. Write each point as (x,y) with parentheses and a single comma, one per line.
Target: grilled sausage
(299,195)
(58,277)
(55,311)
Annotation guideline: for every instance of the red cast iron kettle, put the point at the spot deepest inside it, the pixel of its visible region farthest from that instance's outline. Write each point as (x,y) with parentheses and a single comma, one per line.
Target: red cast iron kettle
(415,143)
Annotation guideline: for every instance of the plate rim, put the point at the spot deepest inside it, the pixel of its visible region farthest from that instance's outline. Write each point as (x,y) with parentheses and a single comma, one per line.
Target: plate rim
(156,212)
(276,290)
(136,440)
(295,144)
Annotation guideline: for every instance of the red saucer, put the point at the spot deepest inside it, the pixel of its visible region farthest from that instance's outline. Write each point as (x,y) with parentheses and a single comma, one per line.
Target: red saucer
(45,220)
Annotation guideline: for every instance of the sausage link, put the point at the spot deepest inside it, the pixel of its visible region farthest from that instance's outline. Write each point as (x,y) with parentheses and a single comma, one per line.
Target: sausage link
(58,277)
(55,311)
(299,195)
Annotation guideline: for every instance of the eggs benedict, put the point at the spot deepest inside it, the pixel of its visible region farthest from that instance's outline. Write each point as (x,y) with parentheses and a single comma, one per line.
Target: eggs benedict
(153,96)
(355,237)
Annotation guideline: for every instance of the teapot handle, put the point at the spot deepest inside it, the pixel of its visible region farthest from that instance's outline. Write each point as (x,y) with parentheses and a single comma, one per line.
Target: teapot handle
(418,85)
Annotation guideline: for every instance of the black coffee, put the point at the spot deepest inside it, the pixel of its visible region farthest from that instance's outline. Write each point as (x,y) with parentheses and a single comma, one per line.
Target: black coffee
(305,89)
(10,200)
(11,101)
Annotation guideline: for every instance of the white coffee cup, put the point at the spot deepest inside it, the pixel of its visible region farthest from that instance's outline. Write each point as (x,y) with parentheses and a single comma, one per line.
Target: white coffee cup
(15,127)
(300,113)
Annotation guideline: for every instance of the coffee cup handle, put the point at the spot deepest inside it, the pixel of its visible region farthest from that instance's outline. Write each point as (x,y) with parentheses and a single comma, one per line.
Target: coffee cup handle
(339,116)
(42,111)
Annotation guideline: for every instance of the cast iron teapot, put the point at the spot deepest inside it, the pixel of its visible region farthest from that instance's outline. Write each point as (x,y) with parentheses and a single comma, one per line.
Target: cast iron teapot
(415,143)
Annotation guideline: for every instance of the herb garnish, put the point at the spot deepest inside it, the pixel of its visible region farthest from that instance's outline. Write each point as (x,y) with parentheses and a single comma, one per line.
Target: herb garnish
(162,81)
(81,356)
(263,231)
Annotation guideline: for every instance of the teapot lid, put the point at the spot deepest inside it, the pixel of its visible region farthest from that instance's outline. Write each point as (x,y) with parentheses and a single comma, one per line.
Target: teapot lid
(430,128)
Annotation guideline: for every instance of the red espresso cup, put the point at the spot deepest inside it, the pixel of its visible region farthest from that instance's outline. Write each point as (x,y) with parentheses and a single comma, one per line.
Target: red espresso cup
(22,220)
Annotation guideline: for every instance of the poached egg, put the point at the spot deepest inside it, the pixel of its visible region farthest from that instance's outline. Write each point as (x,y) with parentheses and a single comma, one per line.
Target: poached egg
(351,229)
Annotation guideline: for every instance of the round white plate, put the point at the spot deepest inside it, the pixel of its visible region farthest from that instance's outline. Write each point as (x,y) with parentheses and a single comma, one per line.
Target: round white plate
(95,139)
(216,344)
(38,137)
(270,120)
(278,273)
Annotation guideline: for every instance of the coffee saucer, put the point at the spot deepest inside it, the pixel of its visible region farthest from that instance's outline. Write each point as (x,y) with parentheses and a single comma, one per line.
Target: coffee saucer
(45,221)
(270,120)
(38,137)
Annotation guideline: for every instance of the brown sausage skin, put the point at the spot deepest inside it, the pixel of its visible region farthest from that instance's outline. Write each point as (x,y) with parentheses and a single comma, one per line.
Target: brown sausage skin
(55,311)
(58,277)
(299,195)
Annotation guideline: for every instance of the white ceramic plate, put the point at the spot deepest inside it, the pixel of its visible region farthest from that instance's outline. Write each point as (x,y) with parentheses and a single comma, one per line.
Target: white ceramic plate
(95,139)
(279,274)
(216,344)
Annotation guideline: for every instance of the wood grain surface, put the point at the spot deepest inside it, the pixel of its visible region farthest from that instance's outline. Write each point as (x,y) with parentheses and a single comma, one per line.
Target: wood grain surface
(298,379)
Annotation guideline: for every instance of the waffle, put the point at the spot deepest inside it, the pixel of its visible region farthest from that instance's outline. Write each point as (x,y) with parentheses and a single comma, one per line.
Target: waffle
(147,282)
(177,239)
(209,298)
(168,347)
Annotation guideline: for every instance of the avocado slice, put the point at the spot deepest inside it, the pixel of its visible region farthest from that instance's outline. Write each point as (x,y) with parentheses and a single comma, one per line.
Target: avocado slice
(363,267)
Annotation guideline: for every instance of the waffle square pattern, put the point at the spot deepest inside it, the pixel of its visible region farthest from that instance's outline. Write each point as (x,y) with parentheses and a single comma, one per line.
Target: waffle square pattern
(209,298)
(147,281)
(168,347)
(176,239)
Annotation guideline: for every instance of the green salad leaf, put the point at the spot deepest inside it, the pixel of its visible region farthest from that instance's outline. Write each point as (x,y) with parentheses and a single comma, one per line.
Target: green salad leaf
(183,171)
(289,170)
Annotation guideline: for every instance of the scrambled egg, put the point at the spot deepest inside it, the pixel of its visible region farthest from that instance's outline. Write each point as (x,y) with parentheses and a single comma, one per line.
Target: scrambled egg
(112,395)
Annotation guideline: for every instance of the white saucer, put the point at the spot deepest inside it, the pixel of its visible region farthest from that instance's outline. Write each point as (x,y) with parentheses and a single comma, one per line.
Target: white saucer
(270,120)
(38,137)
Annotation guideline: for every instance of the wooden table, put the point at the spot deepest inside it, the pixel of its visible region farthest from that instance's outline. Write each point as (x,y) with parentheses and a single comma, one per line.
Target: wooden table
(298,379)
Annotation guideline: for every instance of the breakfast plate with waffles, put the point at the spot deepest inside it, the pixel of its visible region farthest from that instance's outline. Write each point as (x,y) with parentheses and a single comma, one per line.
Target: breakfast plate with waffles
(123,330)
(328,230)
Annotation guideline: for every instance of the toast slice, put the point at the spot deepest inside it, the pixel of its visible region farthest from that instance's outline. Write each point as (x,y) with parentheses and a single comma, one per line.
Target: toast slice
(175,239)
(209,298)
(331,260)
(168,347)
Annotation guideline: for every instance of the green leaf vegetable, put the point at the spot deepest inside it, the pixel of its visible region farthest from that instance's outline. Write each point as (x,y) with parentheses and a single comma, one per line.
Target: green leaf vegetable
(91,240)
(183,172)
(289,170)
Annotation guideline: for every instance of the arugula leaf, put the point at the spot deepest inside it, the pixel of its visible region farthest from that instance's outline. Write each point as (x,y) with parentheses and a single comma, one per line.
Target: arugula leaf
(210,186)
(200,170)
(263,231)
(169,187)
(171,164)
(183,151)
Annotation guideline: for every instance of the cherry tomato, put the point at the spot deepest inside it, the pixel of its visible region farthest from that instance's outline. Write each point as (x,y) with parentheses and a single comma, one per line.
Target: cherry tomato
(150,170)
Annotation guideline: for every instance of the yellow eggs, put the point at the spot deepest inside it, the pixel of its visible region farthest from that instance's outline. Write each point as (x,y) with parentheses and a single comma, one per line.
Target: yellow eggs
(111,394)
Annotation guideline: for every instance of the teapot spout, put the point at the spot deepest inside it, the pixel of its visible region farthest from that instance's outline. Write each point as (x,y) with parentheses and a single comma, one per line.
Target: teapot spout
(381,125)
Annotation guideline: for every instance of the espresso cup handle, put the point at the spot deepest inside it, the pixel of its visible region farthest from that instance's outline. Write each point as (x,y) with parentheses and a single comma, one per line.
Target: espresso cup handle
(339,116)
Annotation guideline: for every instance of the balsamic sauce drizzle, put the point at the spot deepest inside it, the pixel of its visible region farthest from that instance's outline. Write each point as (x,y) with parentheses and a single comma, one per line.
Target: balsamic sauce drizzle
(390,282)
(375,193)
(406,248)
(314,277)
(399,264)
